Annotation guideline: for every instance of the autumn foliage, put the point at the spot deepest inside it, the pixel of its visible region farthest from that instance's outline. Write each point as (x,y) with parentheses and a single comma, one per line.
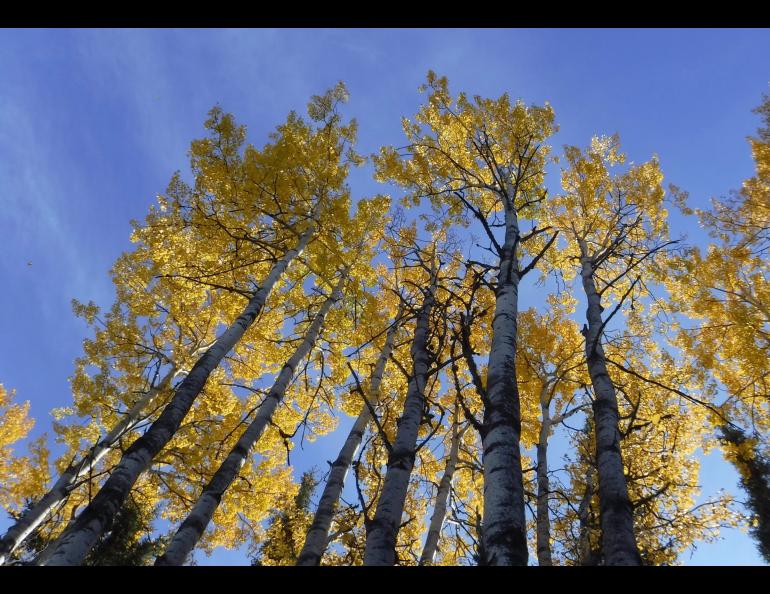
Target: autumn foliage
(515,355)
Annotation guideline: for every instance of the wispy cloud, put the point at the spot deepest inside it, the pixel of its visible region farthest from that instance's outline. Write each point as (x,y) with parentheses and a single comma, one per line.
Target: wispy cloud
(33,201)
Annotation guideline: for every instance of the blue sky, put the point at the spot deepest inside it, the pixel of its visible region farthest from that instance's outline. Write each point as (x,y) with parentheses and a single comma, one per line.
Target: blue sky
(94,122)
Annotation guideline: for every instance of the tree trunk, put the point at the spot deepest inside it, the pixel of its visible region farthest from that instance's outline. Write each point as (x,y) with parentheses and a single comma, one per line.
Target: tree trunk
(586,554)
(381,535)
(616,514)
(543,521)
(442,496)
(318,535)
(35,515)
(75,543)
(504,540)
(195,524)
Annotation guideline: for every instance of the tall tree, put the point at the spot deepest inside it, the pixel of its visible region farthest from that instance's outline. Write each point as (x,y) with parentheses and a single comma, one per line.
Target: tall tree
(321,153)
(194,525)
(21,477)
(485,160)
(345,249)
(442,493)
(383,530)
(724,290)
(318,534)
(615,226)
(550,373)
(120,345)
(660,429)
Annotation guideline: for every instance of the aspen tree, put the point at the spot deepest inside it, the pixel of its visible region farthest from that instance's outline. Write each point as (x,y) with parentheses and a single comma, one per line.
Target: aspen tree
(344,248)
(484,160)
(322,152)
(21,477)
(660,432)
(119,346)
(725,291)
(442,494)
(614,227)
(195,524)
(427,264)
(318,534)
(550,373)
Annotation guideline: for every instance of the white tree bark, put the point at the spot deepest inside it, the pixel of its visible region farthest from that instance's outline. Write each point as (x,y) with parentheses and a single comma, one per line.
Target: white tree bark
(191,530)
(542,515)
(617,520)
(543,521)
(317,539)
(381,536)
(442,496)
(61,489)
(504,540)
(75,543)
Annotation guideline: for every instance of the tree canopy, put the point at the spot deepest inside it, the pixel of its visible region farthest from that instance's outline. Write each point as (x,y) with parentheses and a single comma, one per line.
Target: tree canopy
(265,306)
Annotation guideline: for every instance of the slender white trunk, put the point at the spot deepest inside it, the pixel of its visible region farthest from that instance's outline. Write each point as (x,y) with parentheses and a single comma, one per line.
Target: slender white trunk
(543,521)
(75,543)
(35,515)
(504,540)
(381,535)
(442,496)
(617,519)
(191,530)
(318,535)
